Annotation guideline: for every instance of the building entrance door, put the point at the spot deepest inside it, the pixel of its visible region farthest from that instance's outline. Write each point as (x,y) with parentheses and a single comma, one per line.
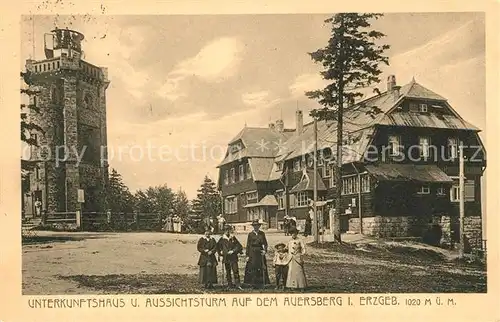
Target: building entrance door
(37,203)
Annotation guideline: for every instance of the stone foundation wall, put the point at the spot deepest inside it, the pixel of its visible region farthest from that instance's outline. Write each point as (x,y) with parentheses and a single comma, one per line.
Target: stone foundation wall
(473,231)
(410,226)
(403,226)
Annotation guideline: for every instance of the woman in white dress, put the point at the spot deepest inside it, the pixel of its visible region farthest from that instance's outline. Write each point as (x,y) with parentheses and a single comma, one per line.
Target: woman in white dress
(296,278)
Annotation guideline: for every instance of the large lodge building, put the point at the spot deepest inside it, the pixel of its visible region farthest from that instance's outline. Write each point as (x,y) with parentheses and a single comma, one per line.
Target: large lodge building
(399,175)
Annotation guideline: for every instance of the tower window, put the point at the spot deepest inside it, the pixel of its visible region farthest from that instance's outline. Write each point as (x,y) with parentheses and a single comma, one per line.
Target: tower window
(88,101)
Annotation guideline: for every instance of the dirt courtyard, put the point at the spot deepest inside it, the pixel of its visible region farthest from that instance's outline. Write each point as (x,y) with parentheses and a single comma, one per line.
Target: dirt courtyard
(155,263)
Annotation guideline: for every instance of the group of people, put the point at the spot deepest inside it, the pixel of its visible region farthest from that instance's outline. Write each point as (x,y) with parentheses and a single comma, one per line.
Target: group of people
(288,259)
(290,224)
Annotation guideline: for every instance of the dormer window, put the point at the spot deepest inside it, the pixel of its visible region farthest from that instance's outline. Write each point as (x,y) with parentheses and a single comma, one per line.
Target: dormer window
(422,108)
(320,159)
(413,107)
(279,165)
(296,165)
(236,147)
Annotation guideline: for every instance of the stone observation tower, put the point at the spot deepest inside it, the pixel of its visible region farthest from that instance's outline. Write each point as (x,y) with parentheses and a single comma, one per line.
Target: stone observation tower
(72,101)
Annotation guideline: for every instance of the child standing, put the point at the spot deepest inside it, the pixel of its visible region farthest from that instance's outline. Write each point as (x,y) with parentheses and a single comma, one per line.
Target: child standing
(280,263)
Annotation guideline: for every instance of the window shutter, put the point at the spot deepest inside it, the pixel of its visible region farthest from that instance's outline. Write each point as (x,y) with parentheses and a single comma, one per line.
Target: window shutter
(292,200)
(469,190)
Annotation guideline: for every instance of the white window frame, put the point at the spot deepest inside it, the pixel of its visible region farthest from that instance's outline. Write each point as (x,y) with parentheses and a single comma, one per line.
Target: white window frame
(440,191)
(226,177)
(394,143)
(252,195)
(469,190)
(424,190)
(37,173)
(350,184)
(281,199)
(320,159)
(327,170)
(301,199)
(365,183)
(248,171)
(231,205)
(425,149)
(453,147)
(455,193)
(422,107)
(333,183)
(241,172)
(232,175)
(253,213)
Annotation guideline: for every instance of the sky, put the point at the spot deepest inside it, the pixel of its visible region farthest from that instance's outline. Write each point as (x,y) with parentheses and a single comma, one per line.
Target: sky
(183,85)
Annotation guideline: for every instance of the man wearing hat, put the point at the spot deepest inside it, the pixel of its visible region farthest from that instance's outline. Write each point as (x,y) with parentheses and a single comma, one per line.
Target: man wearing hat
(229,248)
(256,273)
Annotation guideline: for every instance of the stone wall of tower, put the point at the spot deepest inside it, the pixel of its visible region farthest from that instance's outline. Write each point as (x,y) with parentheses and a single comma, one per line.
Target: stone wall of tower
(62,84)
(92,138)
(50,177)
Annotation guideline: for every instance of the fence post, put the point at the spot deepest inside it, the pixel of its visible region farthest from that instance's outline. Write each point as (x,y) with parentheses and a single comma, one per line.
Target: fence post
(108,217)
(78,219)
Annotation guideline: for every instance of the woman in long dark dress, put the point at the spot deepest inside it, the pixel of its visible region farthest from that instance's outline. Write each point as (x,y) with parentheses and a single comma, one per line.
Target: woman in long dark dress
(256,273)
(207,246)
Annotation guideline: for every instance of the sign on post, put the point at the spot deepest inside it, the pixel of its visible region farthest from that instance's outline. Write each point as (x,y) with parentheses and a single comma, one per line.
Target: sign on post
(81,196)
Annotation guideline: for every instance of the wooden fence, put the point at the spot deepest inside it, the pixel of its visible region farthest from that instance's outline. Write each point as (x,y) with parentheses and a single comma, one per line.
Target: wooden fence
(96,221)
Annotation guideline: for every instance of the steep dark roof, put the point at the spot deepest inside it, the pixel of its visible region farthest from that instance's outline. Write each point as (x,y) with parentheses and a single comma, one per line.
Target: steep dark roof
(360,124)
(415,90)
(408,172)
(258,142)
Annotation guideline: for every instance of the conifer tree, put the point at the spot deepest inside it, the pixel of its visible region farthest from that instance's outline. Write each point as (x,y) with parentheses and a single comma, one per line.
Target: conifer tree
(351,61)
(207,203)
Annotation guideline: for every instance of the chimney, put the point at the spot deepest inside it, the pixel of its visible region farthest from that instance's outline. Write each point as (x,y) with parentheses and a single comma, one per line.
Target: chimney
(299,122)
(280,126)
(271,126)
(395,92)
(391,82)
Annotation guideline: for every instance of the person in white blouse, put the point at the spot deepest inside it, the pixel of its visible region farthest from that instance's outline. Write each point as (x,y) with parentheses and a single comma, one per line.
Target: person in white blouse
(296,277)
